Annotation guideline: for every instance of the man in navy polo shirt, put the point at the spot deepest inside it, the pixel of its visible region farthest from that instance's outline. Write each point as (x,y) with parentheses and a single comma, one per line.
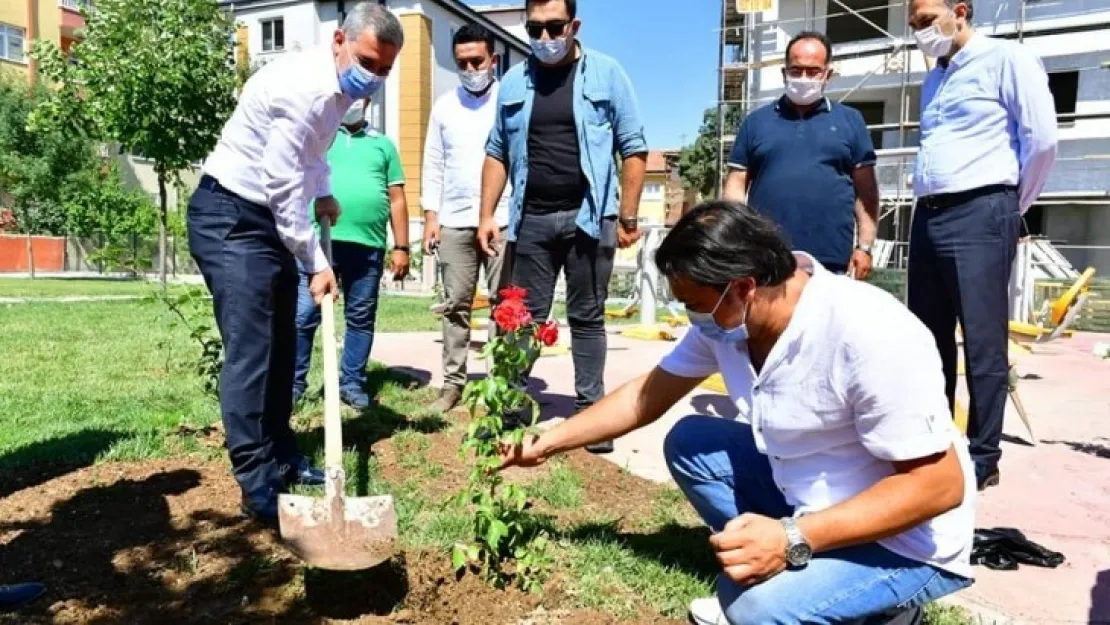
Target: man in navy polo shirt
(807,162)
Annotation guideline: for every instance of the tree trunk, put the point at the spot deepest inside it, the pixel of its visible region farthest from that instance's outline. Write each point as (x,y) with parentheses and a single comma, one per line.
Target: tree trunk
(30,256)
(162,227)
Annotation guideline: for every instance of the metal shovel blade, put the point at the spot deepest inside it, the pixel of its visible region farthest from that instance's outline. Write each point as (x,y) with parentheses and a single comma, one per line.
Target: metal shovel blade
(339,533)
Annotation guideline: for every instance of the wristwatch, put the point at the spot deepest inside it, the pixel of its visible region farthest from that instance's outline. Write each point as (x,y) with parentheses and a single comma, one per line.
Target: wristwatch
(866,249)
(798,551)
(401,248)
(630,223)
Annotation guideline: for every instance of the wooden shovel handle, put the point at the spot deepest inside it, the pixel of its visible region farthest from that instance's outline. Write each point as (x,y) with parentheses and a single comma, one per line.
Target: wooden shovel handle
(333,432)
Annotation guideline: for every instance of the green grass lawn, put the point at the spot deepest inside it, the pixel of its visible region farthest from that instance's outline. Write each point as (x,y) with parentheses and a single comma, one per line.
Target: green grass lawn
(100,381)
(74,287)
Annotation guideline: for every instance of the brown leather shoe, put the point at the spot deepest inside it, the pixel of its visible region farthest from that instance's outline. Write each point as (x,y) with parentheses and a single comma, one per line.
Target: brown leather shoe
(449,397)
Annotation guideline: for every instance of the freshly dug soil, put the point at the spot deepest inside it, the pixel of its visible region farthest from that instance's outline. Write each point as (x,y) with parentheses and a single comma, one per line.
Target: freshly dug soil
(163,543)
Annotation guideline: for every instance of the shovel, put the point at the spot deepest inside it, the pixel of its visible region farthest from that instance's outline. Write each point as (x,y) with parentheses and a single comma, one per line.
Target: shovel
(336,532)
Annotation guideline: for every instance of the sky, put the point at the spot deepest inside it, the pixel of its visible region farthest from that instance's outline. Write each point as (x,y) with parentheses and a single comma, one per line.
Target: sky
(670,53)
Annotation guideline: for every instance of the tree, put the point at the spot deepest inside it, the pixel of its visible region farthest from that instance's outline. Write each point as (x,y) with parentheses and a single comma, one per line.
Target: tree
(697,163)
(154,77)
(35,167)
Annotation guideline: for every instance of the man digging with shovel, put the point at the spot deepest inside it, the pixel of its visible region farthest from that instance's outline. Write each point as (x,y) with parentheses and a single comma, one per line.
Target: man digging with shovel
(249,225)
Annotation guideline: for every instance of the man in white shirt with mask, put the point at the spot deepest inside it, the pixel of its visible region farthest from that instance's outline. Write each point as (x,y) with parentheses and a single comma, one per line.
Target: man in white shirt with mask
(249,225)
(807,162)
(842,492)
(454,153)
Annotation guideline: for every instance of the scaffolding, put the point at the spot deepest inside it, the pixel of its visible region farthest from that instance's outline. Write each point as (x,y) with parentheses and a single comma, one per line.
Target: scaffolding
(744,37)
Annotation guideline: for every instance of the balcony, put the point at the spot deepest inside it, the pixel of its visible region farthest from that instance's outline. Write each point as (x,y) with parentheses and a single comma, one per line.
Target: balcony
(72,19)
(75,5)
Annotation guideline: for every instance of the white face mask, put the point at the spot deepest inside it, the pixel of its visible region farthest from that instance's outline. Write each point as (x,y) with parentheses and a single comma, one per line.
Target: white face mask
(356,114)
(476,81)
(805,91)
(933,42)
(550,51)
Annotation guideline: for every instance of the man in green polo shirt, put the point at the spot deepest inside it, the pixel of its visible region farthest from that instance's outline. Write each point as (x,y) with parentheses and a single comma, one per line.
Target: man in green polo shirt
(368,183)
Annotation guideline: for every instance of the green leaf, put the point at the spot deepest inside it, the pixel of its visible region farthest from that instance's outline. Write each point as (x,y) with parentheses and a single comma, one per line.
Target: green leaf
(459,556)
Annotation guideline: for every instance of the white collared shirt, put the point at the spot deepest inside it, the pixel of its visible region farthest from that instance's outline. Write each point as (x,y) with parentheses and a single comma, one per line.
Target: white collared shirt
(454,153)
(853,384)
(987,118)
(273,149)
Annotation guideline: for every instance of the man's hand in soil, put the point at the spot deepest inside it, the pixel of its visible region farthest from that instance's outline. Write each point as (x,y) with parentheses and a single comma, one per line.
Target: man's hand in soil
(751,548)
(323,284)
(527,454)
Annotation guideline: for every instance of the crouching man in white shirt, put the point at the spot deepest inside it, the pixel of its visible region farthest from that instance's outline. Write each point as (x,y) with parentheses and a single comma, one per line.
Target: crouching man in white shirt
(843,493)
(249,226)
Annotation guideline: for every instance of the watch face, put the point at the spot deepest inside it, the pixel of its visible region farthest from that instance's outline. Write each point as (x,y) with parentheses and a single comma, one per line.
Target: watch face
(799,554)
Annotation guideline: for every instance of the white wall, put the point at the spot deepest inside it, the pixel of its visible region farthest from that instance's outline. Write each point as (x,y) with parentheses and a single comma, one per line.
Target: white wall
(512,21)
(301,26)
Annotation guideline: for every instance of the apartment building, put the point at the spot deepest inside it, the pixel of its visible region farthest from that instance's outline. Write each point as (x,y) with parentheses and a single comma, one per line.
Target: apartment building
(24,21)
(424,71)
(879,71)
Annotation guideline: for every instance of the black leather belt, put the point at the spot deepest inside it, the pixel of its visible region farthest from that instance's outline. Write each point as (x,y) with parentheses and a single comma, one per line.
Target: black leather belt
(942,201)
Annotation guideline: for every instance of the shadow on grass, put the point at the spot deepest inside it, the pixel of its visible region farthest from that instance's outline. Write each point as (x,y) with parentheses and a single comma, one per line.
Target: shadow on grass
(681,547)
(42,461)
(378,422)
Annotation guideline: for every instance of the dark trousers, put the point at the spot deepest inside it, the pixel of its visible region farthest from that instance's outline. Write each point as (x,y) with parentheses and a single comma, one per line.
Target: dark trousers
(962,250)
(253,281)
(359,270)
(548,244)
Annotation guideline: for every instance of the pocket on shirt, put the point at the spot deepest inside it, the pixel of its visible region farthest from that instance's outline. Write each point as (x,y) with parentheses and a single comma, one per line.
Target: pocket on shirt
(599,109)
(512,115)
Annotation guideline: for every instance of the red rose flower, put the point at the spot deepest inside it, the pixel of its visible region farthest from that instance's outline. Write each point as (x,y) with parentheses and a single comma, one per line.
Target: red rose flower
(512,315)
(513,293)
(548,333)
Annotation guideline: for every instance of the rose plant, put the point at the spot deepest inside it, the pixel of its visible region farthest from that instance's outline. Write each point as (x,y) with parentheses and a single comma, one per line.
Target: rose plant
(507,544)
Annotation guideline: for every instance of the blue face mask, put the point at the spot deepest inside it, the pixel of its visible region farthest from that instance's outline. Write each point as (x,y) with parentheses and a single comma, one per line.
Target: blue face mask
(707,325)
(549,51)
(358,82)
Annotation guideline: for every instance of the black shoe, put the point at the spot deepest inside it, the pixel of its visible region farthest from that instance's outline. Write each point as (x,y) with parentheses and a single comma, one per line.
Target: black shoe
(604,447)
(265,514)
(988,480)
(302,473)
(355,398)
(17,596)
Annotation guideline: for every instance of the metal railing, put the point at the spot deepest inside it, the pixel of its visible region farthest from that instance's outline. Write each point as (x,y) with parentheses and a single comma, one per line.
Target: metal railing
(75,5)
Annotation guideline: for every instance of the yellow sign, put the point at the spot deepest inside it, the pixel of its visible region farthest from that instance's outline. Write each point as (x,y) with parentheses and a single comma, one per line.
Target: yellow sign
(754,6)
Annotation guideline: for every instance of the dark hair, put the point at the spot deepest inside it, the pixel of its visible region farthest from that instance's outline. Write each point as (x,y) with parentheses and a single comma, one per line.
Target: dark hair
(810,34)
(572,6)
(473,33)
(718,242)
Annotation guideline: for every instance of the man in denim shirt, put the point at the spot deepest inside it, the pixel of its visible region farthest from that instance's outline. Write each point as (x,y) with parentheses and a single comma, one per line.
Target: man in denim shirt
(561,117)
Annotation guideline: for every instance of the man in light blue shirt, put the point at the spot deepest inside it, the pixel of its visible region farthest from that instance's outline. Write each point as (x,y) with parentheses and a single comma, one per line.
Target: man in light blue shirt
(561,117)
(988,141)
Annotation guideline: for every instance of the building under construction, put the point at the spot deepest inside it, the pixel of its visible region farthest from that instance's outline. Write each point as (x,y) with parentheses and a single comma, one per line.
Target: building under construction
(879,71)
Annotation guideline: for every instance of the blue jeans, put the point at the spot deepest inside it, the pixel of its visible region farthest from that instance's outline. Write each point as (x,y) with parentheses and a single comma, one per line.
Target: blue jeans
(253,281)
(716,464)
(359,271)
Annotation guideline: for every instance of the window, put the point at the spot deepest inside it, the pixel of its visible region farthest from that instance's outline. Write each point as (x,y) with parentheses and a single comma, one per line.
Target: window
(872,116)
(11,43)
(273,35)
(653,191)
(845,27)
(1065,91)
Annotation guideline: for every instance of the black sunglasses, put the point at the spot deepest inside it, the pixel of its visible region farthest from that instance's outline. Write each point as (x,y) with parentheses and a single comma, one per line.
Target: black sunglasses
(554,28)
